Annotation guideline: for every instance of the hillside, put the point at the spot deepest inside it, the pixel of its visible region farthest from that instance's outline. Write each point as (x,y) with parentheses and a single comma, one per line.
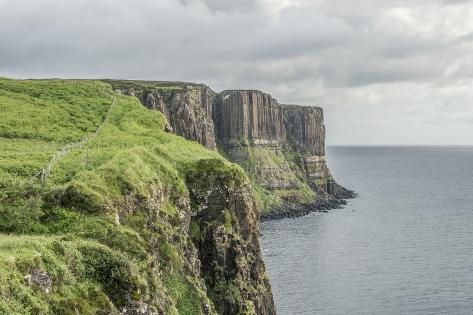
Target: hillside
(133,220)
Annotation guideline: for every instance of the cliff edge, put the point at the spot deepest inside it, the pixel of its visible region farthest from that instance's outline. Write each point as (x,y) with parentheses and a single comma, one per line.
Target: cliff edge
(281,147)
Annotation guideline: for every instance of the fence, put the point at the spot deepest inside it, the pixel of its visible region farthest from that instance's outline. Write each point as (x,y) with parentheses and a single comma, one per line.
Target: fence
(61,153)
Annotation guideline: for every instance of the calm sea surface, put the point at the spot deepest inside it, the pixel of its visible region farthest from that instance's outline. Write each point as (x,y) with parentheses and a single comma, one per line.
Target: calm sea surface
(404,246)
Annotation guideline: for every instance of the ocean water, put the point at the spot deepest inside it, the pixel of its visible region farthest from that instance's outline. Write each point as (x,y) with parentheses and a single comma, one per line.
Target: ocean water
(404,246)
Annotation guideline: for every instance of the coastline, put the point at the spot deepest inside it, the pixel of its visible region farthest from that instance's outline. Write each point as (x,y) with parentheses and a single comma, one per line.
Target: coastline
(290,210)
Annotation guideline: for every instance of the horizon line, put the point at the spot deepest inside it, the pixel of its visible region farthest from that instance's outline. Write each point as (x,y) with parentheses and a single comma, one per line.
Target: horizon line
(399,145)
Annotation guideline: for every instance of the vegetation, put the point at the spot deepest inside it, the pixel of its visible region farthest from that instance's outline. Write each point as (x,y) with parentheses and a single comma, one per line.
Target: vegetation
(109,213)
(283,168)
(78,279)
(139,84)
(39,117)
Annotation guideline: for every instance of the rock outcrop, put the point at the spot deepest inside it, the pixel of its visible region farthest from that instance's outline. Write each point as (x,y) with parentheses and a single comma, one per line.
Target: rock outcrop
(187,106)
(281,147)
(226,232)
(248,118)
(188,111)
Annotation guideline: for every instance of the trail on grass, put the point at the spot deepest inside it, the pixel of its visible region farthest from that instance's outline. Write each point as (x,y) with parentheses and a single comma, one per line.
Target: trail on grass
(61,153)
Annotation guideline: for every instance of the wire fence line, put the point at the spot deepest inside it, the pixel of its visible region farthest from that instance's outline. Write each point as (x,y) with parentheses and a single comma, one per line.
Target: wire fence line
(44,173)
(75,81)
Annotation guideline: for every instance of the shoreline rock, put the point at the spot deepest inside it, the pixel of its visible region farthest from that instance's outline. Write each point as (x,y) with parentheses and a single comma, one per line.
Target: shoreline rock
(292,211)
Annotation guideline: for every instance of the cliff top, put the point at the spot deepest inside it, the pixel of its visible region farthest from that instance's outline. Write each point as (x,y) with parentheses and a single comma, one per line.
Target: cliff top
(296,106)
(182,85)
(169,85)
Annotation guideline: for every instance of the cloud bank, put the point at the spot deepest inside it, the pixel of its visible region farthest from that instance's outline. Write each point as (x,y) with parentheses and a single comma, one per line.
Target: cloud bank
(386,71)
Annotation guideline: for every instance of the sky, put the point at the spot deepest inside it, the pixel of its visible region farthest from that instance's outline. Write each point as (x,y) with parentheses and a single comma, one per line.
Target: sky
(385,71)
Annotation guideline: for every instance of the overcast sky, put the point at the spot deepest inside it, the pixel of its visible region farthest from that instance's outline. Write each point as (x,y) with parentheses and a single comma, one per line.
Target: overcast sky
(385,71)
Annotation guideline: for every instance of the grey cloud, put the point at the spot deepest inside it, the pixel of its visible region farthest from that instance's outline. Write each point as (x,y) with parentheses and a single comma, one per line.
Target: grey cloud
(376,77)
(228,6)
(455,1)
(340,54)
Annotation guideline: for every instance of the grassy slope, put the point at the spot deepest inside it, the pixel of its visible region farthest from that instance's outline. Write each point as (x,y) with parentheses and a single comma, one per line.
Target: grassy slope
(68,227)
(284,169)
(39,117)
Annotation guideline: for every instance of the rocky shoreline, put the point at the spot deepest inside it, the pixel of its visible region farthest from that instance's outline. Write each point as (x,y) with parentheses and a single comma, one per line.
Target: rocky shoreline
(290,210)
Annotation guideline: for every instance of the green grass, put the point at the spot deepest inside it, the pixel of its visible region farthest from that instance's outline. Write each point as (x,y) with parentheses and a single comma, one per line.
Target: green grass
(186,301)
(54,110)
(23,157)
(79,279)
(284,169)
(93,225)
(39,117)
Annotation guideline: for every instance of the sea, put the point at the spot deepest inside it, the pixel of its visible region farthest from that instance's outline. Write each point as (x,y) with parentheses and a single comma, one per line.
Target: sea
(403,246)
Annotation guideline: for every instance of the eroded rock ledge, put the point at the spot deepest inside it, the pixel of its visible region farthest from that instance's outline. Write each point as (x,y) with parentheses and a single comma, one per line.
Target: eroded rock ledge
(281,147)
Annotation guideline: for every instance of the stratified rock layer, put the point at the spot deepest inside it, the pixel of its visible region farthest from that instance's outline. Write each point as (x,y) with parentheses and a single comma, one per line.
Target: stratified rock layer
(281,147)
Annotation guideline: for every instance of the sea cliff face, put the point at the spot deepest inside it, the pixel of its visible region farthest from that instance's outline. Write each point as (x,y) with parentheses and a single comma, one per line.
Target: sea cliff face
(138,220)
(281,147)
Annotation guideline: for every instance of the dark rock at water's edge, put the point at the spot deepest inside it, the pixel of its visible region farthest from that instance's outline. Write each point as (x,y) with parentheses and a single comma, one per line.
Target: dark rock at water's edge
(280,147)
(295,211)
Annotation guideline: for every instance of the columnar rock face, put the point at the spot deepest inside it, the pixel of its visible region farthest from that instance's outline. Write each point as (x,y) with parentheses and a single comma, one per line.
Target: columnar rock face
(258,118)
(281,147)
(305,129)
(248,115)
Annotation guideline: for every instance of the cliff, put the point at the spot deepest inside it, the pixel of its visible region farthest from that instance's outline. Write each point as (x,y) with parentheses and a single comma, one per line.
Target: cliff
(227,238)
(281,147)
(134,220)
(187,107)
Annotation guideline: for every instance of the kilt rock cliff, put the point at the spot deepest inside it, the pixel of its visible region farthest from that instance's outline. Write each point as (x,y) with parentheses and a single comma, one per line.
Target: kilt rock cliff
(111,207)
(281,147)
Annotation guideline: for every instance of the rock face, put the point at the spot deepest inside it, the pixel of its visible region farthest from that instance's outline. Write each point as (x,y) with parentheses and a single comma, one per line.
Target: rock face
(41,279)
(228,240)
(188,107)
(305,129)
(258,118)
(281,147)
(189,111)
(242,116)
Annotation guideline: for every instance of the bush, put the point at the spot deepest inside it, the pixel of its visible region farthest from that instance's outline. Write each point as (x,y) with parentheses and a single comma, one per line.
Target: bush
(117,276)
